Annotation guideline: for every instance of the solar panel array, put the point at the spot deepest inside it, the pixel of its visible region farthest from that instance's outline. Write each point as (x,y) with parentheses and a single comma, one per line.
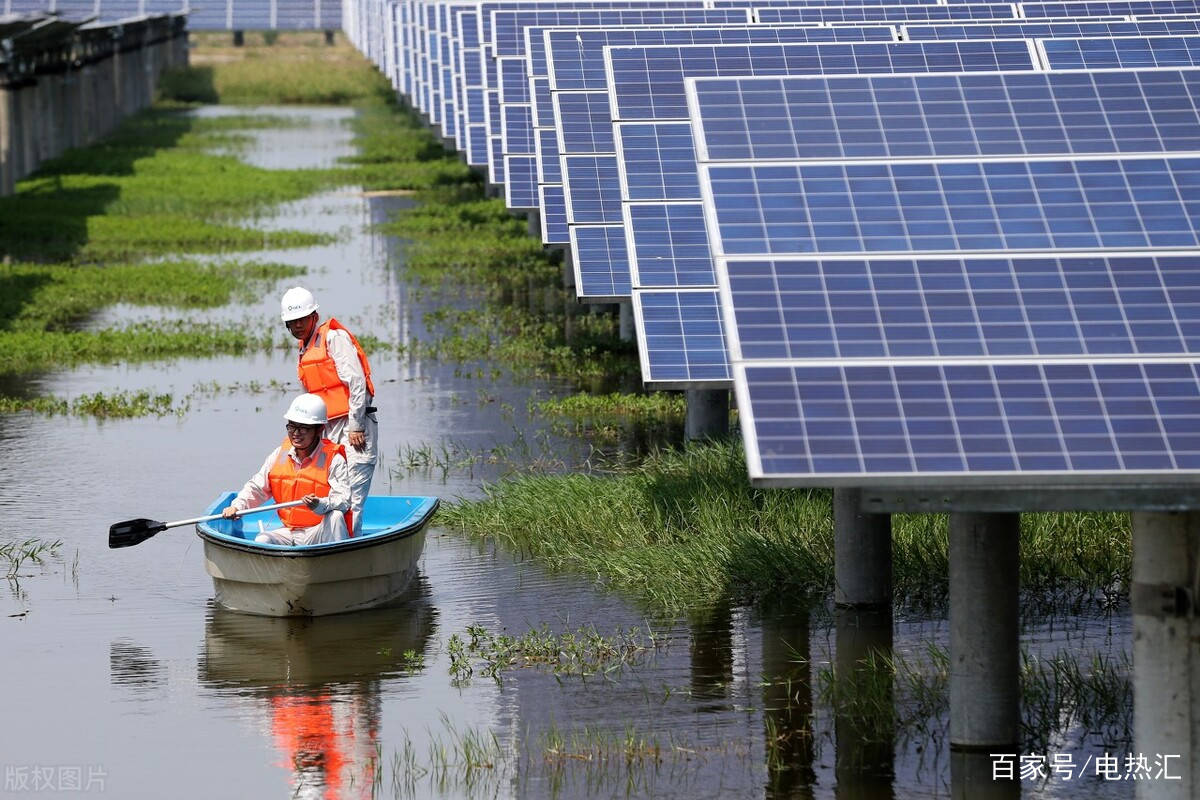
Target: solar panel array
(928,241)
(202,14)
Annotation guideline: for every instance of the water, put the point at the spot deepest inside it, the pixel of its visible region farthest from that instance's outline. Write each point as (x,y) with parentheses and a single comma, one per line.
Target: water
(123,677)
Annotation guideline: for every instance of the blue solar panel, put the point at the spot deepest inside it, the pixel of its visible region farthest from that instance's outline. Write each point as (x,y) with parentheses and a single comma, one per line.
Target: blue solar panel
(592,187)
(476,112)
(576,57)
(495,161)
(594,249)
(897,13)
(681,340)
(1127,53)
(487,9)
(477,145)
(819,424)
(953,307)
(1096,8)
(495,125)
(549,166)
(584,122)
(1041,30)
(669,245)
(518,130)
(971,114)
(658,160)
(543,108)
(647,82)
(514,87)
(1101,203)
(554,215)
(510,25)
(520,182)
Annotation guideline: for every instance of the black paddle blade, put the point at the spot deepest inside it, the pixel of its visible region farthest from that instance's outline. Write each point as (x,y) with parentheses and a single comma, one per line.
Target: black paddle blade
(133,531)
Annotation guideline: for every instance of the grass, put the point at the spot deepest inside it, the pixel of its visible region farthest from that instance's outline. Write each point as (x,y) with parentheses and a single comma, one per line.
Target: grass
(113,222)
(19,554)
(685,526)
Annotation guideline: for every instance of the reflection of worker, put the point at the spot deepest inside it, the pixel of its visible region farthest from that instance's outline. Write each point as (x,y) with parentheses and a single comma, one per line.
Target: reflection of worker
(328,742)
(305,467)
(333,365)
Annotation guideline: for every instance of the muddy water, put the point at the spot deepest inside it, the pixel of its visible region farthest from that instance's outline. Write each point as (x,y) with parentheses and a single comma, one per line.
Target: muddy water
(123,678)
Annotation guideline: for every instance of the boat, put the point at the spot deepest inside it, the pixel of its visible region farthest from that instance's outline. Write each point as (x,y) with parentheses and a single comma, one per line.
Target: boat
(314,580)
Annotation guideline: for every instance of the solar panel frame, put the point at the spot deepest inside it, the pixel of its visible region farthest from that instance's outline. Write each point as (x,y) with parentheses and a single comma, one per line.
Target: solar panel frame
(592,250)
(553,205)
(1132,52)
(1042,29)
(1091,8)
(886,13)
(670,239)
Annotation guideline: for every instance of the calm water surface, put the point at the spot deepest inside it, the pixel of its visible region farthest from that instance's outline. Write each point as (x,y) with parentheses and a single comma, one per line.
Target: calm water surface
(123,678)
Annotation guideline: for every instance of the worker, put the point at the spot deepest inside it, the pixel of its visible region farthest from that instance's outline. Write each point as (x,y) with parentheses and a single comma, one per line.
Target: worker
(333,365)
(308,467)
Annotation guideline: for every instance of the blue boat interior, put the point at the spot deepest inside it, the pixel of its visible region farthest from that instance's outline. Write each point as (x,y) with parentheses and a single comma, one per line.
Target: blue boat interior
(382,514)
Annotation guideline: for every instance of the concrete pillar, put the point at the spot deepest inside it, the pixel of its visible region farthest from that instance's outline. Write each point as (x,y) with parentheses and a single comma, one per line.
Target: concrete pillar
(6,176)
(862,553)
(239,38)
(1166,650)
(329,36)
(984,656)
(534,218)
(568,266)
(28,129)
(626,329)
(707,415)
(865,753)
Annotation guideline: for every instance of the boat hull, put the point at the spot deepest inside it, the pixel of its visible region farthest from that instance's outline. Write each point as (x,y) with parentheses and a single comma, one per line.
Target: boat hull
(316,580)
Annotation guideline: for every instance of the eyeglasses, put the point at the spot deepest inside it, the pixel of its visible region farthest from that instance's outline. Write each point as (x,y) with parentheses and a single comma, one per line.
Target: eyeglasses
(295,428)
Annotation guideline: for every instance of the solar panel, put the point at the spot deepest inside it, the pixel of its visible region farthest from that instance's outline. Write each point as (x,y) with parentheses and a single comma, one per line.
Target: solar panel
(658,160)
(1123,53)
(509,36)
(543,108)
(670,245)
(588,182)
(554,215)
(970,114)
(584,122)
(955,307)
(894,13)
(594,249)
(647,82)
(1095,8)
(520,182)
(1039,29)
(549,167)
(681,341)
(1133,202)
(514,86)
(517,130)
(961,423)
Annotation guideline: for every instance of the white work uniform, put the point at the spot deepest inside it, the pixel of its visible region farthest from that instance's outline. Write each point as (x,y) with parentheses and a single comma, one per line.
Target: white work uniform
(362,464)
(332,527)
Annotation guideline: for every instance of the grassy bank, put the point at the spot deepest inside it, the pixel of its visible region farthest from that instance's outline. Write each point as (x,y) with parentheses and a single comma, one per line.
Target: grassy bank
(115,222)
(685,528)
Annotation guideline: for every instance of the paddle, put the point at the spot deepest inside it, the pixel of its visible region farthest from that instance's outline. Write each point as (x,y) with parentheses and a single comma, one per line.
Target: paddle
(136,531)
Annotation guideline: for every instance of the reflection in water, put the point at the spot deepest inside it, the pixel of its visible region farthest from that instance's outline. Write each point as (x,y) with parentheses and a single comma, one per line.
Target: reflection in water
(712,655)
(134,667)
(971,778)
(318,681)
(787,704)
(865,757)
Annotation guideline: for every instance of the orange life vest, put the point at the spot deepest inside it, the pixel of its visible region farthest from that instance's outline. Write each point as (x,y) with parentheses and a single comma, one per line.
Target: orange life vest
(319,374)
(289,482)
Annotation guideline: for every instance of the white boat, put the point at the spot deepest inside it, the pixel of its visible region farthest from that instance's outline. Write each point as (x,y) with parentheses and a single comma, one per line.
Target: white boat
(318,579)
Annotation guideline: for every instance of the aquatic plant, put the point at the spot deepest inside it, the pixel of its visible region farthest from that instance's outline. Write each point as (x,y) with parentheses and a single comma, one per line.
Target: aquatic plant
(22,552)
(583,652)
(686,525)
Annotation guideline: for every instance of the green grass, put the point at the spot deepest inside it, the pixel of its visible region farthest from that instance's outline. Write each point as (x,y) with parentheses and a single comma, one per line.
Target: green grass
(685,527)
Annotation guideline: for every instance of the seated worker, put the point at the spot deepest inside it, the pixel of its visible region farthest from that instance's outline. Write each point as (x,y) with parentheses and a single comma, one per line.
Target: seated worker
(305,467)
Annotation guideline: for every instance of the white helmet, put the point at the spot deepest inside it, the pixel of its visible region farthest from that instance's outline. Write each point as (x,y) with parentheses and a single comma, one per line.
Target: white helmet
(297,302)
(307,409)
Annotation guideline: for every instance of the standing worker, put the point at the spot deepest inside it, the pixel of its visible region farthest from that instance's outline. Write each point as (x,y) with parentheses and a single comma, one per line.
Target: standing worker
(333,366)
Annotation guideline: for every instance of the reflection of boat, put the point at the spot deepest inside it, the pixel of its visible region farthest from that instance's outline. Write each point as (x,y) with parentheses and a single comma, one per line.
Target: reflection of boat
(313,580)
(272,654)
(316,684)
